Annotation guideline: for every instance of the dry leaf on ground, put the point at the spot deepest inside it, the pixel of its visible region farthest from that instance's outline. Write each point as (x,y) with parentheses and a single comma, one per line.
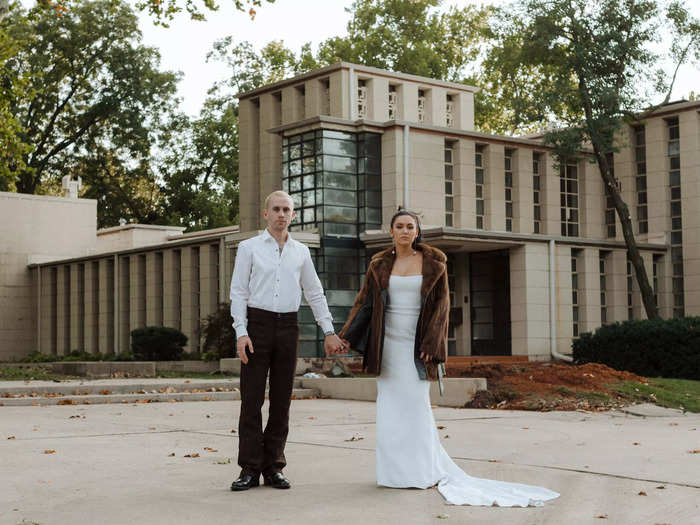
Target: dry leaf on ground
(193,455)
(49,451)
(642,493)
(11,437)
(172,454)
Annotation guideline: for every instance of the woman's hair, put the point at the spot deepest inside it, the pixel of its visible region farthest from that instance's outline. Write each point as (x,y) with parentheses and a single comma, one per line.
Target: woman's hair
(411,214)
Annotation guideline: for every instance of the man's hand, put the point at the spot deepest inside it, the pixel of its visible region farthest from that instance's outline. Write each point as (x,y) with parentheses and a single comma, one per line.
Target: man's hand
(333,345)
(241,344)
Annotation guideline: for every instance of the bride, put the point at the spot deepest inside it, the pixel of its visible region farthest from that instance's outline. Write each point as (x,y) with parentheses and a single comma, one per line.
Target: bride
(399,322)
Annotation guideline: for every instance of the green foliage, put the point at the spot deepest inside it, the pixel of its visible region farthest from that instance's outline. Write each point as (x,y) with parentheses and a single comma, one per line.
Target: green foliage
(164,10)
(76,355)
(157,343)
(219,335)
(650,348)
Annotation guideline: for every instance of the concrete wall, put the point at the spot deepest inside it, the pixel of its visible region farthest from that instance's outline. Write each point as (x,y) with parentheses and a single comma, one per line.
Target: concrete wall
(35,228)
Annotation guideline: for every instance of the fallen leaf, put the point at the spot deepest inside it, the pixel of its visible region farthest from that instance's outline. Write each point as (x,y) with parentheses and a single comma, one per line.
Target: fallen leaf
(152,428)
(233,431)
(172,454)
(446,436)
(105,392)
(661,487)
(193,455)
(642,493)
(602,516)
(187,380)
(673,424)
(635,443)
(312,417)
(49,451)
(355,438)
(440,427)
(442,516)
(226,461)
(65,402)
(694,451)
(525,428)
(11,437)
(494,460)
(210,449)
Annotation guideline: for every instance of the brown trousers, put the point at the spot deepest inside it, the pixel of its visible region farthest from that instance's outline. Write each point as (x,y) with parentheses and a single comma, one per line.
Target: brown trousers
(275,337)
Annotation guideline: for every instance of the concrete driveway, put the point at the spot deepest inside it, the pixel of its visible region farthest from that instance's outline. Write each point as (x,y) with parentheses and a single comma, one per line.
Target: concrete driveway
(126,464)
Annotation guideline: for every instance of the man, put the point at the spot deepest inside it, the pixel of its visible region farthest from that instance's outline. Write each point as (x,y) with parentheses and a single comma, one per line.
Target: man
(269,274)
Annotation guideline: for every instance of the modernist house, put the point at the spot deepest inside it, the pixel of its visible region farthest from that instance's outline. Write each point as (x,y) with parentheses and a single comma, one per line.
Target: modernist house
(535,253)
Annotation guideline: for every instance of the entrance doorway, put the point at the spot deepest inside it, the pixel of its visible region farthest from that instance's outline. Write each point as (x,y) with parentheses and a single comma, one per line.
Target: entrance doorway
(489,282)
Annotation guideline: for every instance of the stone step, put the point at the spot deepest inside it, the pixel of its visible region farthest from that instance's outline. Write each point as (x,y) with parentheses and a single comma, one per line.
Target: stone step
(172,397)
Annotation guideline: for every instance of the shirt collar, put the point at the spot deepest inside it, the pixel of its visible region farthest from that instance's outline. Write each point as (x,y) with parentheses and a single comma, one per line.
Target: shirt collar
(266,236)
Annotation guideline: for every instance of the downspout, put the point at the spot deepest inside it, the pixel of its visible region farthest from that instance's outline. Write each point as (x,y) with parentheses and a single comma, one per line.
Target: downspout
(38,308)
(115,304)
(552,308)
(406,129)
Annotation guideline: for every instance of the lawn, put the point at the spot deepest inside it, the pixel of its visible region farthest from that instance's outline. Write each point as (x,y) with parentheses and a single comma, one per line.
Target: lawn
(683,394)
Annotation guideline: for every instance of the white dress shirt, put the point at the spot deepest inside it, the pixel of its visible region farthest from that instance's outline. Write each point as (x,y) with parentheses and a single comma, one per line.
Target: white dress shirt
(267,279)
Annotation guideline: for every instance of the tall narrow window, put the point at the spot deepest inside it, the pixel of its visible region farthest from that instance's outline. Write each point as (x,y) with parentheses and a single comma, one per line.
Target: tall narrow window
(325,97)
(602,263)
(674,163)
(393,102)
(656,262)
(449,112)
(536,206)
(568,185)
(421,105)
(479,178)
(509,189)
(610,228)
(640,157)
(575,292)
(361,99)
(449,183)
(630,290)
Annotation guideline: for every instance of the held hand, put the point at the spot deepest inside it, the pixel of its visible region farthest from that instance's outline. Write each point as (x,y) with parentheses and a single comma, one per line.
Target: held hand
(241,344)
(333,345)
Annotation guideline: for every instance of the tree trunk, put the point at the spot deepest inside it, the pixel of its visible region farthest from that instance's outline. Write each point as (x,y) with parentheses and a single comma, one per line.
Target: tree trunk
(635,257)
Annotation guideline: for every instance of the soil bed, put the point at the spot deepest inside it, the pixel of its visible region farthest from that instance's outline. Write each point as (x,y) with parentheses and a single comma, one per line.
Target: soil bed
(549,386)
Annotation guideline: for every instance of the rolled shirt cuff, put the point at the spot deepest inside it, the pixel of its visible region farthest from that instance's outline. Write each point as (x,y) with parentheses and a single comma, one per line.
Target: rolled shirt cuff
(240,331)
(326,325)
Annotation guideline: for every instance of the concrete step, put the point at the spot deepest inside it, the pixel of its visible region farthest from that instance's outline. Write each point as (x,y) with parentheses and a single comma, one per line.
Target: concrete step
(169,397)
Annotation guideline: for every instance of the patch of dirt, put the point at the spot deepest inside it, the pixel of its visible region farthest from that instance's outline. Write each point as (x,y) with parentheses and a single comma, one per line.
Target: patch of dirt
(548,386)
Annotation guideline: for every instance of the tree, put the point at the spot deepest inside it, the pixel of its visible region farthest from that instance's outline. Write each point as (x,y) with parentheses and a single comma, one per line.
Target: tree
(98,96)
(583,62)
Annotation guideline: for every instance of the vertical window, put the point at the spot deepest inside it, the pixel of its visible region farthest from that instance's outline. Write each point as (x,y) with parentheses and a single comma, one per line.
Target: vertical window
(325,97)
(536,195)
(656,261)
(641,179)
(575,292)
(361,99)
(421,105)
(568,184)
(393,102)
(449,183)
(449,112)
(674,164)
(509,189)
(602,263)
(630,291)
(479,179)
(610,228)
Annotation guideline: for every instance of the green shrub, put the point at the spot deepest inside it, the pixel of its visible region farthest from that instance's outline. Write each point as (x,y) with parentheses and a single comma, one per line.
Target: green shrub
(219,335)
(650,348)
(38,357)
(157,343)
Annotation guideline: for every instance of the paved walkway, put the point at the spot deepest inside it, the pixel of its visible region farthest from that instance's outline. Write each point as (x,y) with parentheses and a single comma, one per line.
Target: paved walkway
(126,464)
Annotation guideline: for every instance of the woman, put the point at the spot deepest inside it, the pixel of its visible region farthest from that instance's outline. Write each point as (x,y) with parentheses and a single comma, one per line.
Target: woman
(399,322)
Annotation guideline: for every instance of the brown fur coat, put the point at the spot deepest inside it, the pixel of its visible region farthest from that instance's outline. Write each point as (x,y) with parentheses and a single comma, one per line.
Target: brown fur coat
(364,327)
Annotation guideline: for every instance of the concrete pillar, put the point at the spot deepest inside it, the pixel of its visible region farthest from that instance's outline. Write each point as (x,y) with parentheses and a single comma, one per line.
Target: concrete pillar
(189,296)
(91,307)
(494,188)
(550,195)
(591,201)
(617,286)
(154,289)
(171,288)
(464,184)
(689,124)
(522,191)
(248,148)
(63,310)
(313,100)
(462,294)
(378,93)
(48,310)
(208,279)
(438,106)
(340,94)
(408,101)
(105,316)
(529,300)
(270,158)
(137,291)
(464,111)
(658,193)
(427,176)
(125,304)
(392,173)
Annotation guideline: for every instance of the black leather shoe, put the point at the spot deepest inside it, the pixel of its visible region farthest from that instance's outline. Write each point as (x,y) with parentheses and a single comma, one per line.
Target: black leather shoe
(245,481)
(277,480)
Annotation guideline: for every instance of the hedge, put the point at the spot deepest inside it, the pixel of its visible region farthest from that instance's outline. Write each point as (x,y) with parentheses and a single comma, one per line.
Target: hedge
(157,343)
(650,348)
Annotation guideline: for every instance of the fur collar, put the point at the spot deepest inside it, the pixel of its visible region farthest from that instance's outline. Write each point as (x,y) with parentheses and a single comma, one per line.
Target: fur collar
(434,264)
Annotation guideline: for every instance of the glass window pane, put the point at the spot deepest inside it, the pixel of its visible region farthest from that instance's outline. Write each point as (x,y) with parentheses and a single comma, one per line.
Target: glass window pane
(295,151)
(309,215)
(339,180)
(340,214)
(448,188)
(308,165)
(449,203)
(448,172)
(332,134)
(309,198)
(333,196)
(345,148)
(307,148)
(295,167)
(342,164)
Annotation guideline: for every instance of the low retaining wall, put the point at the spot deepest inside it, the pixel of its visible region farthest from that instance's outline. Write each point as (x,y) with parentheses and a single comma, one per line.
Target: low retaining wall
(320,365)
(458,391)
(103,369)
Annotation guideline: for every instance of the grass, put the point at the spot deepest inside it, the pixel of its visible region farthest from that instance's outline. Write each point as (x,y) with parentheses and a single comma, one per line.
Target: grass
(172,374)
(682,394)
(39,373)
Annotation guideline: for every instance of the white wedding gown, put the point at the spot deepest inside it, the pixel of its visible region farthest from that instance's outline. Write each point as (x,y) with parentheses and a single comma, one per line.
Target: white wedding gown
(409,452)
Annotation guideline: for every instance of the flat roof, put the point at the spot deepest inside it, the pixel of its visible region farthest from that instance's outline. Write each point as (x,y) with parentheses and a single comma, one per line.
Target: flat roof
(427,81)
